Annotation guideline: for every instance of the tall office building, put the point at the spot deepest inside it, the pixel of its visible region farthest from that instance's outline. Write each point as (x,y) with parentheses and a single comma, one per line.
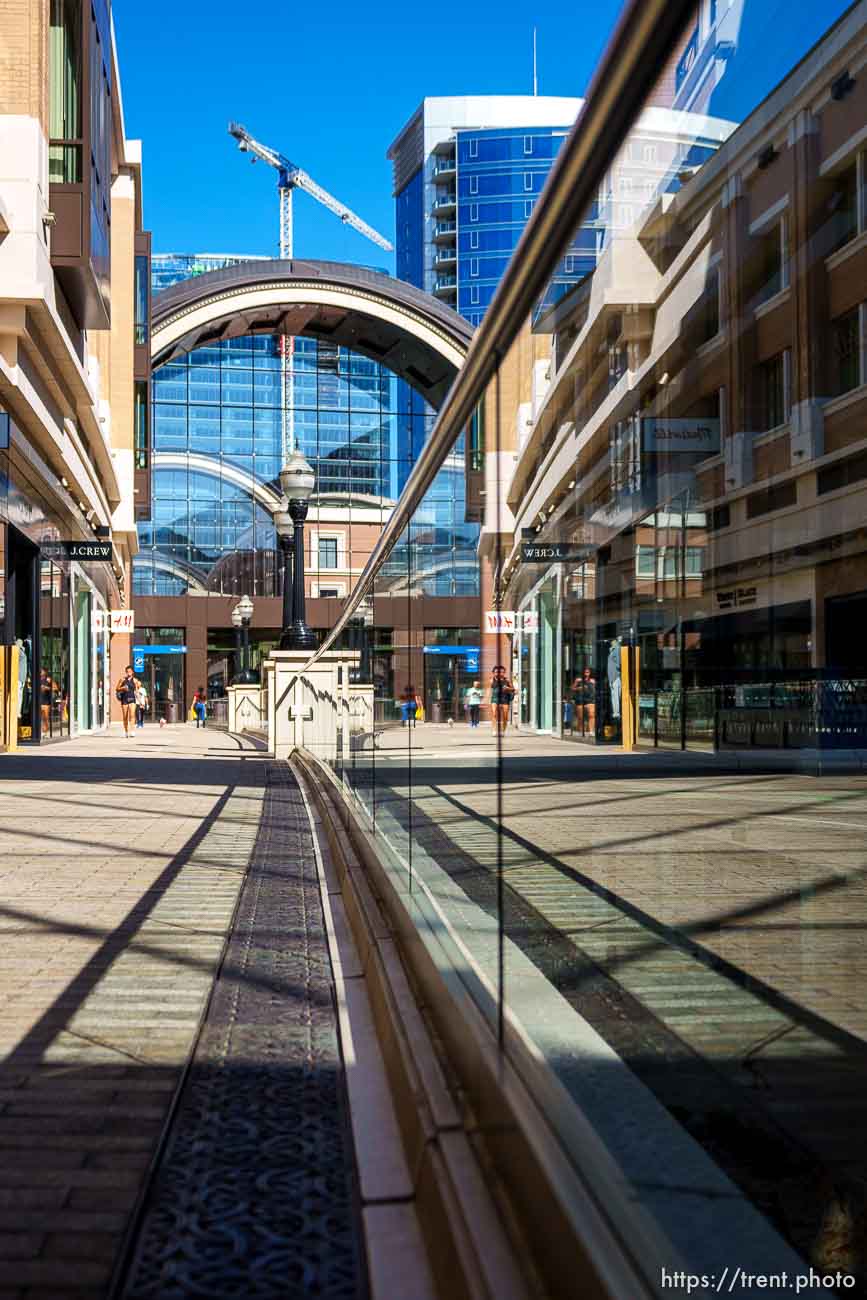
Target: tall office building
(467,171)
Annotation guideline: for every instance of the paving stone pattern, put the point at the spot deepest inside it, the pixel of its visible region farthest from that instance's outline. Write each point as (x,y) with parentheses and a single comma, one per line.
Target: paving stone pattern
(121,865)
(256,1195)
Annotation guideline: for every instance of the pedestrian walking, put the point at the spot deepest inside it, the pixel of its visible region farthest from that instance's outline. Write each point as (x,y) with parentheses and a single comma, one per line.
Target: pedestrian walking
(200,706)
(125,692)
(409,706)
(141,702)
(583,693)
(474,699)
(502,693)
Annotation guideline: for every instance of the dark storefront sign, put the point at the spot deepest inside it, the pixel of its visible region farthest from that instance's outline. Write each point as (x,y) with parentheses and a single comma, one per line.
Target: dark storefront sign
(662,434)
(76,550)
(736,597)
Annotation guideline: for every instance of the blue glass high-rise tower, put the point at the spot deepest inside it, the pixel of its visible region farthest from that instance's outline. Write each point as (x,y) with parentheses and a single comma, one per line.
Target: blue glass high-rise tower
(467,171)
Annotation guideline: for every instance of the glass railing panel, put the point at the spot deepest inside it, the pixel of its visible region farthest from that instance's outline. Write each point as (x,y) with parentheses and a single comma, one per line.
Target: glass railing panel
(680,461)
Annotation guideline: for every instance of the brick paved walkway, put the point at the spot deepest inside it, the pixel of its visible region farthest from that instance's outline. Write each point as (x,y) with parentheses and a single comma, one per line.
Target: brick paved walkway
(120,867)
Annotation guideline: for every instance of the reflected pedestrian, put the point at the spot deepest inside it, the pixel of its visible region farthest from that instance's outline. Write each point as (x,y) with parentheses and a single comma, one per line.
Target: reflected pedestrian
(474,699)
(502,694)
(200,706)
(409,706)
(584,700)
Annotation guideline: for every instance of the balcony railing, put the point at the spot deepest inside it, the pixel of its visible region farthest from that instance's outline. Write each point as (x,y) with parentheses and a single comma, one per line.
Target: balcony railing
(446,284)
(445,202)
(446,257)
(445,229)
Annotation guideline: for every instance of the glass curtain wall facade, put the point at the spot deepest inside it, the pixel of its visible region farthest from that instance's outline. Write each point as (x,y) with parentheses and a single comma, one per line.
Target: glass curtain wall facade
(217,450)
(217,430)
(499,174)
(668,947)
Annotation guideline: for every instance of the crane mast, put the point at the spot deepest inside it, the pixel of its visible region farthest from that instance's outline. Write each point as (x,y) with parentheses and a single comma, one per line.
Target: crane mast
(289,178)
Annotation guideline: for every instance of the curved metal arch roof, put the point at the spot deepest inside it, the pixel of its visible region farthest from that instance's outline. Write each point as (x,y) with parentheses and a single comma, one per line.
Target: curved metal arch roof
(404,329)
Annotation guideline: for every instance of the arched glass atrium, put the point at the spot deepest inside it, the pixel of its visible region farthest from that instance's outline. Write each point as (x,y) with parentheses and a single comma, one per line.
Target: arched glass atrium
(217,427)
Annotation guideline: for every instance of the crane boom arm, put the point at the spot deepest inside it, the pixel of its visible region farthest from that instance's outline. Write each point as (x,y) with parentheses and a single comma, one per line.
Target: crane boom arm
(346,215)
(292,177)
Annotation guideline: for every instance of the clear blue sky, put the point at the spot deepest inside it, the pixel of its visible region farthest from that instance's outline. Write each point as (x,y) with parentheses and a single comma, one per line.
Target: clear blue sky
(328,84)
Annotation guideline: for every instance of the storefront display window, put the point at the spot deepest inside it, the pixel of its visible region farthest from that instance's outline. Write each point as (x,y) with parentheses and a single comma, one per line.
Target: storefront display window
(451,665)
(21,621)
(54,652)
(83,645)
(158,660)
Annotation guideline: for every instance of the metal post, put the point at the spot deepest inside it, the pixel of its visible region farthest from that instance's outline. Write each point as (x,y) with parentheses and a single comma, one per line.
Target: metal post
(298,636)
(288,583)
(239,667)
(246,649)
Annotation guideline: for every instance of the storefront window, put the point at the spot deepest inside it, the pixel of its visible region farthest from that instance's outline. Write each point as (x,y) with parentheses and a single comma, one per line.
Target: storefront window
(84,657)
(451,665)
(54,656)
(158,660)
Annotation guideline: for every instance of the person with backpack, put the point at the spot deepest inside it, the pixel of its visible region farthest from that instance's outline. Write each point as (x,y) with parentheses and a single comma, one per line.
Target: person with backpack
(125,693)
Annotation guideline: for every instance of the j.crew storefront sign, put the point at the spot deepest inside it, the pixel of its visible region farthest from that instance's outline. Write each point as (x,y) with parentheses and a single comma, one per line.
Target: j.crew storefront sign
(76,550)
(553,552)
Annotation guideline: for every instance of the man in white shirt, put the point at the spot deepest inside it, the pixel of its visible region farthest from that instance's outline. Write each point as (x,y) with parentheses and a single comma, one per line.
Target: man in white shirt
(474,699)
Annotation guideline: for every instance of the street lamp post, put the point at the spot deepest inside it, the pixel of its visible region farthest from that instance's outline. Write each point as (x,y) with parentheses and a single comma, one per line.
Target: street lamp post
(284,528)
(245,609)
(297,480)
(236,624)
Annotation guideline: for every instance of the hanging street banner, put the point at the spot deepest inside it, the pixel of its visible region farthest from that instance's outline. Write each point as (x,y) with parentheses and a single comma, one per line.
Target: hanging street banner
(662,434)
(500,620)
(121,620)
(75,550)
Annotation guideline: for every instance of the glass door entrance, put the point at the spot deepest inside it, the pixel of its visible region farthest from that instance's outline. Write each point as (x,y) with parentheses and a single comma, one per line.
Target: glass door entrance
(82,712)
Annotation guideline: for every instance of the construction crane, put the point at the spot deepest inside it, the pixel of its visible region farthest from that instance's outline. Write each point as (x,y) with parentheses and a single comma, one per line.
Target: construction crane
(289,178)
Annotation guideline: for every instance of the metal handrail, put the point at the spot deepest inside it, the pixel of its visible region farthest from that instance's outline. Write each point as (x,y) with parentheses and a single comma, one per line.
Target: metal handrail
(630,67)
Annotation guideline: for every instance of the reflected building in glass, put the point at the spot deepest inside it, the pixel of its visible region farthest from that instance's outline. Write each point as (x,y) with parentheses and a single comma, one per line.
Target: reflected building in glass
(690,467)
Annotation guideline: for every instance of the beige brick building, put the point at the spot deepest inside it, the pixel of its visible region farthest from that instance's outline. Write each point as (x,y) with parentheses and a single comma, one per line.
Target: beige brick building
(73,365)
